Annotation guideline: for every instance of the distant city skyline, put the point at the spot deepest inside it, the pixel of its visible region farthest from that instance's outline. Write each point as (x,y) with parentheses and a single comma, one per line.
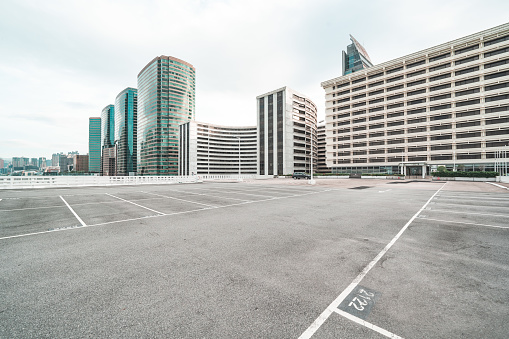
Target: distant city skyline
(62,62)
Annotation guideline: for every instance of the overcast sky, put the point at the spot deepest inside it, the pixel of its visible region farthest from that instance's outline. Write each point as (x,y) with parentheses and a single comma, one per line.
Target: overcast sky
(61,62)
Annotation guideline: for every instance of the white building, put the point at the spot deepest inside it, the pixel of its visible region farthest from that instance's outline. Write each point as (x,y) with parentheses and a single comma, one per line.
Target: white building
(321,149)
(286,132)
(215,149)
(444,106)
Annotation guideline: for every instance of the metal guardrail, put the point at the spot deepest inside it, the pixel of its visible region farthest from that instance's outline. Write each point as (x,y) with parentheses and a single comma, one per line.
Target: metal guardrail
(69,181)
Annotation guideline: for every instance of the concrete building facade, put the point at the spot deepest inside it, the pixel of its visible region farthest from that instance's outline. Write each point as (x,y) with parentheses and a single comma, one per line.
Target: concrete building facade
(321,149)
(80,163)
(215,149)
(444,106)
(287,132)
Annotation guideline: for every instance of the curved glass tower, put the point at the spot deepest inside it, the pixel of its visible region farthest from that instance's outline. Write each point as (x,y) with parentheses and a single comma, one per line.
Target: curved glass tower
(126,105)
(108,126)
(166,98)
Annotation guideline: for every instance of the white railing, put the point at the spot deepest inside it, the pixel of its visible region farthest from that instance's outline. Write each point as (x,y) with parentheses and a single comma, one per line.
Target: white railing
(207,177)
(63,181)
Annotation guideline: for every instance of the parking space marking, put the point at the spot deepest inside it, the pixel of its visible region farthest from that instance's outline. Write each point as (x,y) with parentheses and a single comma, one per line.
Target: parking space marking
(194,202)
(367,324)
(31,208)
(463,198)
(472,213)
(465,223)
(310,331)
(131,202)
(160,215)
(500,186)
(232,192)
(76,227)
(75,214)
(215,196)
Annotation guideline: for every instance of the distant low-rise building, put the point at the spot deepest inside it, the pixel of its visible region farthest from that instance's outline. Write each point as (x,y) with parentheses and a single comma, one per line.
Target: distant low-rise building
(42,163)
(108,161)
(80,163)
(215,149)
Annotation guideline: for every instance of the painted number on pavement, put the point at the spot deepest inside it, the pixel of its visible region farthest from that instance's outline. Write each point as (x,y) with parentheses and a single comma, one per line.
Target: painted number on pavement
(359,302)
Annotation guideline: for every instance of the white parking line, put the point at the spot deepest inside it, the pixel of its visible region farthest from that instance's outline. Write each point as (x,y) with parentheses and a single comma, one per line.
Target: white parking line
(367,324)
(135,204)
(76,215)
(465,223)
(232,192)
(500,186)
(31,208)
(472,213)
(167,197)
(215,196)
(154,216)
(310,331)
(472,198)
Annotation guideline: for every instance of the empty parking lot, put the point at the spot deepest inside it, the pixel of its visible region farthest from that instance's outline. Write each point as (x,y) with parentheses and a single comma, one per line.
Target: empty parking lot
(259,259)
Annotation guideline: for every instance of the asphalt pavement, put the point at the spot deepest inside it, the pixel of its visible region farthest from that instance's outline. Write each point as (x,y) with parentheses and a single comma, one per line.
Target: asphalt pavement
(259,259)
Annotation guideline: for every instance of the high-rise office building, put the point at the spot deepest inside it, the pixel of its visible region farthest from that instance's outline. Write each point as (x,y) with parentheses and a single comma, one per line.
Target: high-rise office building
(94,145)
(34,162)
(215,149)
(166,99)
(355,58)
(321,153)
(108,126)
(287,135)
(126,105)
(108,151)
(447,105)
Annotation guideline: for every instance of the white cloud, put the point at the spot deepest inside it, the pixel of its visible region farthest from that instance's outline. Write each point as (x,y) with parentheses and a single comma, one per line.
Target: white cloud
(63,61)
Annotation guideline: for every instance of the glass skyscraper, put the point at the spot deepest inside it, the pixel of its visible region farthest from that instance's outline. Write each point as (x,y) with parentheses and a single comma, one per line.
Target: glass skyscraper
(108,126)
(94,145)
(166,99)
(126,105)
(355,58)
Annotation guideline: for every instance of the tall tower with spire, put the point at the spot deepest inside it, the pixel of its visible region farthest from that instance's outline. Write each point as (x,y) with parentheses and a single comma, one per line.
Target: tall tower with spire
(355,58)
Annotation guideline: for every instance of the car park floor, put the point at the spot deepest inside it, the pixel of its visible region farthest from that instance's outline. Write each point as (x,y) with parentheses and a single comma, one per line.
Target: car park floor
(279,258)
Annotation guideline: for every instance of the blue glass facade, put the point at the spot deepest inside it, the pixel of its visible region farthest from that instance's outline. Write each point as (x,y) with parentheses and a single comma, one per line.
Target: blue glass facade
(126,105)
(166,99)
(108,126)
(94,145)
(355,58)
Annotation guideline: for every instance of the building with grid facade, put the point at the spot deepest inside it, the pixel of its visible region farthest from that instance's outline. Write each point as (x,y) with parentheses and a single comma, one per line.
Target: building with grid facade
(287,132)
(166,99)
(94,146)
(444,106)
(215,149)
(321,166)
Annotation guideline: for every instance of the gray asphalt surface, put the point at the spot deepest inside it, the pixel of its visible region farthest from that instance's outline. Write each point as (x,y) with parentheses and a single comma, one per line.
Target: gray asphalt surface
(253,260)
